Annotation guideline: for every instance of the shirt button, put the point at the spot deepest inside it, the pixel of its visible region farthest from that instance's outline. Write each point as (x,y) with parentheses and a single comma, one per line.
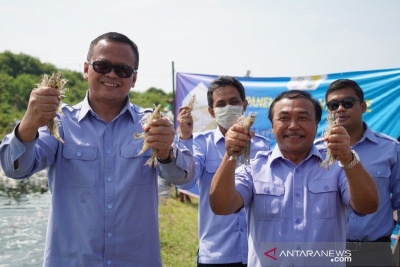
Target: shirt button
(109,234)
(352,215)
(108,126)
(79,154)
(109,179)
(109,206)
(297,194)
(19,149)
(109,262)
(297,170)
(297,221)
(241,213)
(326,188)
(108,151)
(378,172)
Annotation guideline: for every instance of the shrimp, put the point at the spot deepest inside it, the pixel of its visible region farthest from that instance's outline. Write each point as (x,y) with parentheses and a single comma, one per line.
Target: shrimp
(329,160)
(156,114)
(57,82)
(246,122)
(192,102)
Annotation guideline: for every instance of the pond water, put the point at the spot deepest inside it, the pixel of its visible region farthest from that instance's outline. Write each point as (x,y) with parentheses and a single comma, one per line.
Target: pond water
(24,208)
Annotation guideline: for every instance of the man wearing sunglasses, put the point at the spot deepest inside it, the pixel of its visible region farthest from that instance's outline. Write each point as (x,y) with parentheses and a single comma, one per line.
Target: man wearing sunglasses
(104,200)
(368,236)
(292,205)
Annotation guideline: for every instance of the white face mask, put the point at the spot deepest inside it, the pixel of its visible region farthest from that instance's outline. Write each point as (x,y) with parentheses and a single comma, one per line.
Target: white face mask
(227,116)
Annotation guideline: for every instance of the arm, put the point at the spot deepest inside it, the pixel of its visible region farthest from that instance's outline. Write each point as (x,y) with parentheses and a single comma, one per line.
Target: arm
(185,121)
(224,199)
(363,191)
(42,107)
(177,163)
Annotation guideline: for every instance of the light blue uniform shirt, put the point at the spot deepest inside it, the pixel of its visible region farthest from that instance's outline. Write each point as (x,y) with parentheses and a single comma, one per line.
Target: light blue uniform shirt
(222,239)
(292,207)
(104,203)
(380,156)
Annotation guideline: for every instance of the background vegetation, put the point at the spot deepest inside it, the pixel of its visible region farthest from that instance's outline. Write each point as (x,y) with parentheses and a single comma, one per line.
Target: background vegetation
(178,232)
(19,73)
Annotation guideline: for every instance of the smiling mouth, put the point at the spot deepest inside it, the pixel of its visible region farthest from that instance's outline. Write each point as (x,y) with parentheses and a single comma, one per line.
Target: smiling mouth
(110,84)
(291,136)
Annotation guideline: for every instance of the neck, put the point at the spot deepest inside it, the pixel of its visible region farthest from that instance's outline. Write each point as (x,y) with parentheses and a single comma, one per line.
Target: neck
(106,111)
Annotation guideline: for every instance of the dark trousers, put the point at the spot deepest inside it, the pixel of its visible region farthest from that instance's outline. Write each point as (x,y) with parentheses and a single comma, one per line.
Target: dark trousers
(370,254)
(238,264)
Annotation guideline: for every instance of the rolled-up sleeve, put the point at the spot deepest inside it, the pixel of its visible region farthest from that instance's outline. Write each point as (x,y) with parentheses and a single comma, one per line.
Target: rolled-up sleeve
(182,169)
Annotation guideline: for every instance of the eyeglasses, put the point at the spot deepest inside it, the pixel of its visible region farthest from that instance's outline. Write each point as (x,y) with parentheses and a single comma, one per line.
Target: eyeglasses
(346,102)
(103,67)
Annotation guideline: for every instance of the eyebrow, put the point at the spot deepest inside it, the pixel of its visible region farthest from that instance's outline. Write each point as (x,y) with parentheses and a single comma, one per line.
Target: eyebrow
(303,112)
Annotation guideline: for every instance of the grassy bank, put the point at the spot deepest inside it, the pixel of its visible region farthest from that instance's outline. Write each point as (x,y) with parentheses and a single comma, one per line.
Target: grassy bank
(178,232)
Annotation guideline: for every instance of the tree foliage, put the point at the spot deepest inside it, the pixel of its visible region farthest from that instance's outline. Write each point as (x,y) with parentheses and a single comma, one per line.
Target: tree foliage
(19,74)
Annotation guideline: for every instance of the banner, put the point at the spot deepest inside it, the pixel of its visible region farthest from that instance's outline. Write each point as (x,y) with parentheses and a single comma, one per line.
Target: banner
(381,93)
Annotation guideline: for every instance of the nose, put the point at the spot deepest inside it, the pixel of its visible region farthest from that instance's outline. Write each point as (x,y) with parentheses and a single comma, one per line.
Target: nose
(293,124)
(111,73)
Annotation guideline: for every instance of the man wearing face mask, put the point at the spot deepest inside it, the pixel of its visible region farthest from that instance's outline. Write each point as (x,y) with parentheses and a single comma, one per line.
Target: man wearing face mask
(222,239)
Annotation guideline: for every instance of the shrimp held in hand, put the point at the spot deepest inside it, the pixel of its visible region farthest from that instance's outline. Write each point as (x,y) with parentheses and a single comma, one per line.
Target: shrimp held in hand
(57,82)
(156,114)
(332,122)
(246,122)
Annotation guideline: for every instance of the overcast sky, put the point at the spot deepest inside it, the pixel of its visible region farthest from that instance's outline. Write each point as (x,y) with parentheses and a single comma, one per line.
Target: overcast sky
(218,37)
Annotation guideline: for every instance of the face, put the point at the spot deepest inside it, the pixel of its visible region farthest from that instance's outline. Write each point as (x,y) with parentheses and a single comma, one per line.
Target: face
(226,95)
(294,126)
(351,117)
(109,88)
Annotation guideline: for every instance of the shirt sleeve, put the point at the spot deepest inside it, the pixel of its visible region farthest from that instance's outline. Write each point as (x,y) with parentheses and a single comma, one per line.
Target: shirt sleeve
(395,181)
(181,170)
(244,183)
(12,149)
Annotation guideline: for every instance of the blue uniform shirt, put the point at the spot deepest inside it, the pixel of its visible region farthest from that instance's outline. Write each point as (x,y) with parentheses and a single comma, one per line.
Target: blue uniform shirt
(298,208)
(380,156)
(222,239)
(104,203)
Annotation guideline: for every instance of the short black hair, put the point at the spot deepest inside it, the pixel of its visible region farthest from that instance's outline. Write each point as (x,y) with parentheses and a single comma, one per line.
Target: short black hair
(345,83)
(222,81)
(116,37)
(293,94)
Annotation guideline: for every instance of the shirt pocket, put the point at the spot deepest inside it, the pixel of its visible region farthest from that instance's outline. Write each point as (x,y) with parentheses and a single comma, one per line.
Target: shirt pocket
(136,172)
(268,198)
(381,175)
(212,166)
(80,165)
(323,198)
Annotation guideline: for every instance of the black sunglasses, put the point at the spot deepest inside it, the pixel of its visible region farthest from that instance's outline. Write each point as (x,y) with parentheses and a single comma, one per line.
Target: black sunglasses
(347,102)
(103,67)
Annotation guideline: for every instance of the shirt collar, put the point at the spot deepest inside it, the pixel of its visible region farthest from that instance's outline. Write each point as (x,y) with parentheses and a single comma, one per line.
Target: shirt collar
(86,108)
(368,134)
(276,153)
(218,135)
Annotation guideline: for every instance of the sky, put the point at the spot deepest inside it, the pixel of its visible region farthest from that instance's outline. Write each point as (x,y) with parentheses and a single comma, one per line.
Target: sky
(264,38)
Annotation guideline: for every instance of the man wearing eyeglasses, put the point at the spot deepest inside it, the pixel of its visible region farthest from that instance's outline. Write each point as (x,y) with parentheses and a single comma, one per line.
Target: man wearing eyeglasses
(368,236)
(104,201)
